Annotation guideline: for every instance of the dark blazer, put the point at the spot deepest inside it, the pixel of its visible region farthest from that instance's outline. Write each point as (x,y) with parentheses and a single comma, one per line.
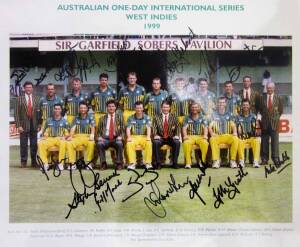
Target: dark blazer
(21,110)
(270,117)
(119,125)
(158,125)
(254,98)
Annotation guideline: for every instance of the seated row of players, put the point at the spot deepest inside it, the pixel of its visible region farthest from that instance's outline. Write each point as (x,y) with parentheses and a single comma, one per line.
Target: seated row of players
(140,131)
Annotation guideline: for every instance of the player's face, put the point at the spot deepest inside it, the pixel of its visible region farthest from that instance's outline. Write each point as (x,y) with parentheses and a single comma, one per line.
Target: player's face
(228,88)
(247,82)
(103,82)
(222,104)
(246,106)
(111,108)
(50,91)
(270,88)
(57,111)
(76,85)
(156,85)
(165,108)
(83,109)
(28,89)
(139,109)
(179,85)
(195,109)
(203,85)
(132,80)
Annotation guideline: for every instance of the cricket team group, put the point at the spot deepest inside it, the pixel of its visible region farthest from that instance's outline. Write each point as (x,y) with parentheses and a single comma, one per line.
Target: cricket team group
(137,127)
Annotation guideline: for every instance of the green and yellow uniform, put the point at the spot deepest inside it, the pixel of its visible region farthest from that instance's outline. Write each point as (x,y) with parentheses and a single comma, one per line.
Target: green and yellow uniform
(72,105)
(128,97)
(98,101)
(54,131)
(195,132)
(153,102)
(222,126)
(180,107)
(233,104)
(138,130)
(246,128)
(207,103)
(46,107)
(82,128)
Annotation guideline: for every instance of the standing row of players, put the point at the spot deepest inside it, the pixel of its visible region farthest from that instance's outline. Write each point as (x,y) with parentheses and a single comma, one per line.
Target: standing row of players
(197,121)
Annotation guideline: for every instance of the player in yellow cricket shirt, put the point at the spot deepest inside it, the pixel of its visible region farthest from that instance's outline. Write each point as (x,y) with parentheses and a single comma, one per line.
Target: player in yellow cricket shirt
(154,99)
(100,97)
(222,129)
(55,132)
(247,128)
(82,134)
(129,95)
(73,99)
(138,132)
(194,132)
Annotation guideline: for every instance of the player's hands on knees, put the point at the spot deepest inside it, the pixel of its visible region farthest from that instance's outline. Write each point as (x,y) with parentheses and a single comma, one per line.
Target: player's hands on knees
(92,137)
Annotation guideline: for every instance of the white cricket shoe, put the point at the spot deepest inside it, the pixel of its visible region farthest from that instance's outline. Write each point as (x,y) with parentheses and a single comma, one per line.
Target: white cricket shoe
(216,164)
(256,164)
(233,164)
(46,167)
(89,167)
(72,167)
(148,166)
(131,167)
(242,163)
(61,167)
(188,166)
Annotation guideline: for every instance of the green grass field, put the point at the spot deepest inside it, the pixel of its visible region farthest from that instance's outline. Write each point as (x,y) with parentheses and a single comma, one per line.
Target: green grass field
(35,199)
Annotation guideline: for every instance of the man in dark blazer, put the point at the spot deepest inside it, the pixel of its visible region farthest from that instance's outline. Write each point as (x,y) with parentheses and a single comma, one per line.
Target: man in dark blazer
(249,93)
(270,108)
(27,115)
(166,131)
(110,134)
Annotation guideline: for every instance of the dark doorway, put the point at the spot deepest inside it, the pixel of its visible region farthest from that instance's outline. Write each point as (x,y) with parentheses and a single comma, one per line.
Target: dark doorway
(147,65)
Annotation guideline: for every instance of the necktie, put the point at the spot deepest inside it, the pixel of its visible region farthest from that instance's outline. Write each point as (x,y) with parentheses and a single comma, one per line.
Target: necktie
(247,95)
(166,127)
(111,128)
(29,107)
(270,102)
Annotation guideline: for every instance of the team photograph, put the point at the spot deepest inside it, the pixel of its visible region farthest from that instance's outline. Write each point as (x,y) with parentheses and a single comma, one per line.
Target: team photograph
(150,129)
